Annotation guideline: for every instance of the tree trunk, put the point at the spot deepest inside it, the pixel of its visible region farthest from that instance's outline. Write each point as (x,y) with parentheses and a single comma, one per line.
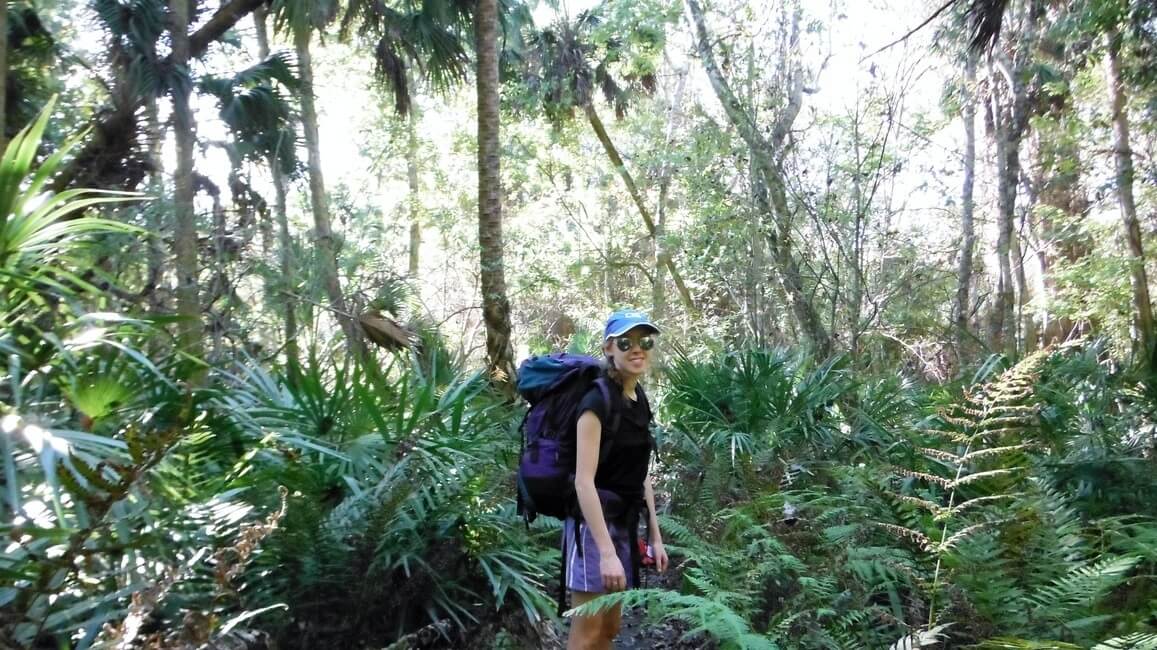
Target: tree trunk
(662,257)
(1007,140)
(1055,186)
(3,75)
(286,263)
(1123,158)
(323,230)
(659,287)
(284,239)
(636,196)
(1026,321)
(757,269)
(963,305)
(612,269)
(856,283)
(156,219)
(189,328)
(412,174)
(218,285)
(764,150)
(761,313)
(495,304)
(223,19)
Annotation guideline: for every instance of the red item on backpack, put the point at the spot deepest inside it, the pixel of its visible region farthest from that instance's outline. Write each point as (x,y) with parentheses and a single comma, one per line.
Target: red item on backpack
(646,553)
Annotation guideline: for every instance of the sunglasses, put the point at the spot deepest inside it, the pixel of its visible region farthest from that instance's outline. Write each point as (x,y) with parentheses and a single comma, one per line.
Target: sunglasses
(624,343)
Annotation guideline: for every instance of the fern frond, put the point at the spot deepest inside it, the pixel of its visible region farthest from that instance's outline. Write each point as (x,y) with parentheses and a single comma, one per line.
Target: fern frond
(1006,643)
(963,423)
(931,478)
(1024,410)
(1081,587)
(944,433)
(940,455)
(907,533)
(966,533)
(933,508)
(1139,641)
(994,451)
(1001,421)
(996,433)
(706,616)
(980,476)
(971,503)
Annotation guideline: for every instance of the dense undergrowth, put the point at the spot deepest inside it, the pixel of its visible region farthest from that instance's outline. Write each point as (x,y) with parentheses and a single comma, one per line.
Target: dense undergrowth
(151,502)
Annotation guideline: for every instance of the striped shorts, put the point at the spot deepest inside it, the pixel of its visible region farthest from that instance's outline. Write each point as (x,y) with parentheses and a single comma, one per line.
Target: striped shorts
(582,558)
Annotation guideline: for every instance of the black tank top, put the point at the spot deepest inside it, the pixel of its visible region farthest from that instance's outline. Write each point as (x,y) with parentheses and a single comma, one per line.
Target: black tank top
(624,467)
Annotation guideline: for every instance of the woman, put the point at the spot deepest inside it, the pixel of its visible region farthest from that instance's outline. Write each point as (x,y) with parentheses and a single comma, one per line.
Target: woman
(612,486)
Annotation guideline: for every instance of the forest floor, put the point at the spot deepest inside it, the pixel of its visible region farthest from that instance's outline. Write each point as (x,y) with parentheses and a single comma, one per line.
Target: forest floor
(514,631)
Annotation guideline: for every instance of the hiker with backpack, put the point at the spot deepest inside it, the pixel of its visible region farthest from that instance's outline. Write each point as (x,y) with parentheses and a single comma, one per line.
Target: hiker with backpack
(585,460)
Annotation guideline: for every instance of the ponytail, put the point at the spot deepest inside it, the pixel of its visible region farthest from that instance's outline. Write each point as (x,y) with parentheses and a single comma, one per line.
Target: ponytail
(611,371)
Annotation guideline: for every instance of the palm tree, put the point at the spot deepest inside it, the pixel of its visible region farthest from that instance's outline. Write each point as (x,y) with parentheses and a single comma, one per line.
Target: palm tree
(495,305)
(423,44)
(185,218)
(423,36)
(283,152)
(566,67)
(300,18)
(428,39)
(101,160)
(985,18)
(262,121)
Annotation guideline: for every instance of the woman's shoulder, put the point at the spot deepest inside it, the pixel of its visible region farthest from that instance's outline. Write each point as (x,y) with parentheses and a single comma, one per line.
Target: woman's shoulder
(595,396)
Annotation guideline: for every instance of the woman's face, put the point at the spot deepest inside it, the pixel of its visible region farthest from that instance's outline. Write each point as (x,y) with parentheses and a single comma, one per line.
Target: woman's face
(634,360)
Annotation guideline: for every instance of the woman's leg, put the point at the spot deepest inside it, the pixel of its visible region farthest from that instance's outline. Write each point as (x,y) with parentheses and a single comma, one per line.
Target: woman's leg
(584,580)
(612,621)
(596,632)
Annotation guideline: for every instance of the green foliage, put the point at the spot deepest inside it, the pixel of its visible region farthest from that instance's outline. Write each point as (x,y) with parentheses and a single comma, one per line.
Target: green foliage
(427,40)
(33,74)
(609,50)
(112,474)
(136,27)
(706,616)
(955,528)
(744,417)
(330,501)
(407,499)
(38,239)
(258,111)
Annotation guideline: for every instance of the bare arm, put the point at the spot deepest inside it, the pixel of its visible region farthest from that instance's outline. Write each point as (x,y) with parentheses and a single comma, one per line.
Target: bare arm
(652,516)
(661,559)
(590,432)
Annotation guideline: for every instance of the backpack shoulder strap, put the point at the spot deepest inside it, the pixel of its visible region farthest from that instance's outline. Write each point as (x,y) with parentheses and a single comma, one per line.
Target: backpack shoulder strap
(646,402)
(614,415)
(650,422)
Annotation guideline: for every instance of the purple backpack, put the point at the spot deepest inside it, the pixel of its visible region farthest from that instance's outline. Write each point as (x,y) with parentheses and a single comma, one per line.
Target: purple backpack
(554,385)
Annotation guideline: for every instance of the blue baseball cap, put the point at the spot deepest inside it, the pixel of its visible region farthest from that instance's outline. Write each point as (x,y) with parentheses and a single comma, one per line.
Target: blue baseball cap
(625,320)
